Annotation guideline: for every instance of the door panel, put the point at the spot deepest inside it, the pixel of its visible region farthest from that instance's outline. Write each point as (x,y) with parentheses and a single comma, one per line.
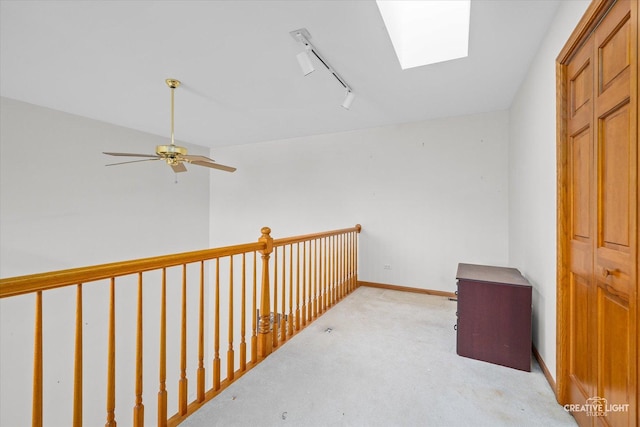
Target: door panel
(615,384)
(614,54)
(581,171)
(581,87)
(614,47)
(581,370)
(614,158)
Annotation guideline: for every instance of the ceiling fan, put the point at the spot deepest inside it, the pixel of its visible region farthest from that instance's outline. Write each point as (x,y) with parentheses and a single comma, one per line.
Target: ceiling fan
(174,155)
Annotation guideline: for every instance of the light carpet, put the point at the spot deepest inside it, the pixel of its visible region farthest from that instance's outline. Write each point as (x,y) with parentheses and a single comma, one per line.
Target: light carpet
(383,358)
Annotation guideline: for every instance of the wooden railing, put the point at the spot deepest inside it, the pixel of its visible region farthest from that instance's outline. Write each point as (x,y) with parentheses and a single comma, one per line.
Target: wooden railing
(296,280)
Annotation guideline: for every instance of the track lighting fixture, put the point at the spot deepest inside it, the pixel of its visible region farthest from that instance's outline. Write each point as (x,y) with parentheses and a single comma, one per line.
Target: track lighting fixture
(302,36)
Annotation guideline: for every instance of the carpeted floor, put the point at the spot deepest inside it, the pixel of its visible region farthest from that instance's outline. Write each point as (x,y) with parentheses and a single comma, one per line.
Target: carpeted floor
(383,358)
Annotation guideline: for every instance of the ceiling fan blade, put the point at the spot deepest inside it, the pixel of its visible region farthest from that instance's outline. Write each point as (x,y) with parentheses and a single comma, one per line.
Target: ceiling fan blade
(132,161)
(180,167)
(194,158)
(131,154)
(214,166)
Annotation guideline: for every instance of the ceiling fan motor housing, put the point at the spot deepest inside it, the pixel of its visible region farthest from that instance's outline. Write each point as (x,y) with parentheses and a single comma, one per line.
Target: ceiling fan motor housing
(171,153)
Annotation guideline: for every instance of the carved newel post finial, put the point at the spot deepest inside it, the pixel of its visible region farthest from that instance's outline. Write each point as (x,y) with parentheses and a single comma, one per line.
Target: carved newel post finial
(265,342)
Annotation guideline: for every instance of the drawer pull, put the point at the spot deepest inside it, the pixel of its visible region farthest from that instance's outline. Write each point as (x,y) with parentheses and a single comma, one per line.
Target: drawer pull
(455,327)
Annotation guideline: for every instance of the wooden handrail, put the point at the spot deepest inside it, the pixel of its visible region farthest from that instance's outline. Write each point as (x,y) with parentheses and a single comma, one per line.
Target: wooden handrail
(20,285)
(309,274)
(307,237)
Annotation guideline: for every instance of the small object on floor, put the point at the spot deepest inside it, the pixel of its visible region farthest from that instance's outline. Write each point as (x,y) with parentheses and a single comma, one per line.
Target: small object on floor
(328,330)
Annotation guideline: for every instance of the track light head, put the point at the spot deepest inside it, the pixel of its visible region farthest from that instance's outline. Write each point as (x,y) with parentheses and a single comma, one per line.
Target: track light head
(348,100)
(304,59)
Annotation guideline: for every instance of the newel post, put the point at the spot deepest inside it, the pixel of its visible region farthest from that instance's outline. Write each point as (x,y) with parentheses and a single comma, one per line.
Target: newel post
(265,340)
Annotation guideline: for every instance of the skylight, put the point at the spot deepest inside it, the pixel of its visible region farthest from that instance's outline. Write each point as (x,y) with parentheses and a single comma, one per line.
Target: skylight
(427,32)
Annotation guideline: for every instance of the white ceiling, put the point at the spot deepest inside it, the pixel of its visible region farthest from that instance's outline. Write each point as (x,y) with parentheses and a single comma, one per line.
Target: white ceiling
(108,60)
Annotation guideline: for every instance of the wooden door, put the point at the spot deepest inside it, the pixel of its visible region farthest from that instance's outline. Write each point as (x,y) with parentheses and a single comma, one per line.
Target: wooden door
(598,217)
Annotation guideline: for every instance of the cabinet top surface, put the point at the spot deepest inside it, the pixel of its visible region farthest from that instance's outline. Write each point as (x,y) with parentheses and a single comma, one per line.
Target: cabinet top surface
(487,273)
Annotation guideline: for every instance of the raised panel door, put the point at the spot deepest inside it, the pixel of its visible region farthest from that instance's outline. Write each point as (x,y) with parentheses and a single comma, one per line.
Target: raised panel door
(598,215)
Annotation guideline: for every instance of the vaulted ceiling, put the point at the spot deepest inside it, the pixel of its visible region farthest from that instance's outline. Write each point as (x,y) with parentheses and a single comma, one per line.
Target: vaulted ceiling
(108,60)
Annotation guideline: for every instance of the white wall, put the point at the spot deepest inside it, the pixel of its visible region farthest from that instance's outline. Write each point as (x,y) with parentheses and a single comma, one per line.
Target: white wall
(532,179)
(60,207)
(428,194)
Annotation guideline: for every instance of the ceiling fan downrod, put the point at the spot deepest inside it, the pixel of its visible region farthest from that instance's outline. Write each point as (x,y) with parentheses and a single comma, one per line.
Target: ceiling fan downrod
(173,84)
(171,152)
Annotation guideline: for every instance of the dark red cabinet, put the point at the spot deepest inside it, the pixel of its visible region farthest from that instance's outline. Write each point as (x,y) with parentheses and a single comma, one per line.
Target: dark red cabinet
(494,315)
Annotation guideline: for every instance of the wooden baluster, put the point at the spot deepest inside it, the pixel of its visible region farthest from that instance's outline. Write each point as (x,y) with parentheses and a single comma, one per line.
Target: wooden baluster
(354,242)
(343,283)
(315,278)
(350,262)
(254,324)
(162,393)
(328,272)
(297,321)
(303,317)
(347,271)
(290,290)
(77,364)
(310,282)
(358,228)
(276,320)
(200,372)
(182,382)
(331,270)
(216,333)
(243,319)
(336,268)
(324,274)
(354,260)
(36,413)
(230,352)
(343,254)
(138,409)
(283,323)
(264,341)
(337,258)
(111,358)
